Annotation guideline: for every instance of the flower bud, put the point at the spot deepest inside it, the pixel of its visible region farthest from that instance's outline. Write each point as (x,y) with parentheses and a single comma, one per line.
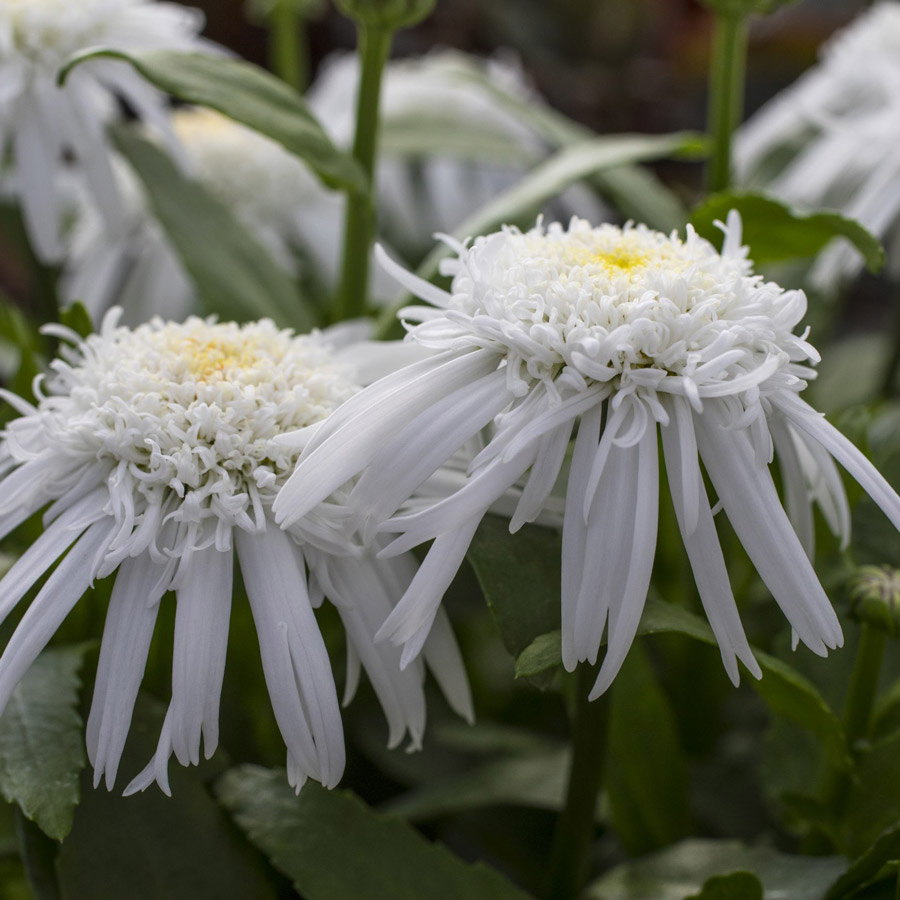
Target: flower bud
(875,598)
(390,14)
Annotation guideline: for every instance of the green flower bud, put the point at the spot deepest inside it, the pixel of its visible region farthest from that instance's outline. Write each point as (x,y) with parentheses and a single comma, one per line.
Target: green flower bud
(875,598)
(390,14)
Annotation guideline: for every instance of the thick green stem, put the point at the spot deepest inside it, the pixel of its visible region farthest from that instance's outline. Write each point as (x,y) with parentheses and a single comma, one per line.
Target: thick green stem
(570,851)
(287,45)
(359,228)
(726,94)
(892,367)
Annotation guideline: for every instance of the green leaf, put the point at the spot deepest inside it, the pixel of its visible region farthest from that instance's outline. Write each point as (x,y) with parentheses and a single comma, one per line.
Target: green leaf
(520,576)
(234,275)
(434,134)
(41,743)
(782,688)
(571,164)
(538,781)
(776,232)
(874,802)
(865,869)
(334,848)
(736,886)
(647,780)
(78,319)
(684,869)
(153,847)
(247,94)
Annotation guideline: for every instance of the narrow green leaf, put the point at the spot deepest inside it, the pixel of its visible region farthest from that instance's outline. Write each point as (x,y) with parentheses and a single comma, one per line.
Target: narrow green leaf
(864,869)
(776,232)
(571,164)
(334,848)
(736,886)
(746,7)
(41,743)
(782,688)
(685,869)
(647,780)
(233,274)
(249,95)
(519,575)
(153,847)
(538,781)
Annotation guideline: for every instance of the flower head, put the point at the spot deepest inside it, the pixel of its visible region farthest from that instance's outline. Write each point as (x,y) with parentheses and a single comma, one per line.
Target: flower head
(42,124)
(158,451)
(614,336)
(829,140)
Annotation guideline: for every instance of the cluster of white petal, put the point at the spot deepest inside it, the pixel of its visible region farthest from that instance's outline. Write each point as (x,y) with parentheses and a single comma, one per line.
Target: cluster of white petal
(43,125)
(158,452)
(617,337)
(830,139)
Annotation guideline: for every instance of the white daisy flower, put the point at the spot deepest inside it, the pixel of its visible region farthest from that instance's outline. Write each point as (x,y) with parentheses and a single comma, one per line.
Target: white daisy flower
(605,333)
(267,189)
(830,139)
(42,125)
(157,451)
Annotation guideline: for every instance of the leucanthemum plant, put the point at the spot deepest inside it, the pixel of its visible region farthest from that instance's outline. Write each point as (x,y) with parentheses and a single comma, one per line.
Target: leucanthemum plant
(615,336)
(156,453)
(47,130)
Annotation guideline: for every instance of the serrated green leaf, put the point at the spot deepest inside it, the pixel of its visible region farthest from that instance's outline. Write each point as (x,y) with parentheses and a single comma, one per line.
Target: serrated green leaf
(646,780)
(538,781)
(41,744)
(334,848)
(782,688)
(249,95)
(685,868)
(519,575)
(153,847)
(775,232)
(233,274)
(566,167)
(736,886)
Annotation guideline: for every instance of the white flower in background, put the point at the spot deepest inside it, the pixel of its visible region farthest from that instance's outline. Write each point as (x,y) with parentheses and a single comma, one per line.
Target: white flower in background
(157,451)
(268,190)
(830,140)
(604,333)
(418,196)
(42,125)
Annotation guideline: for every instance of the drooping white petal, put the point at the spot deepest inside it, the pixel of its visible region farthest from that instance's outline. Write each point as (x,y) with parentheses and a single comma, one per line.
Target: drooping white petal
(625,615)
(703,548)
(202,615)
(295,662)
(796,494)
(755,512)
(130,621)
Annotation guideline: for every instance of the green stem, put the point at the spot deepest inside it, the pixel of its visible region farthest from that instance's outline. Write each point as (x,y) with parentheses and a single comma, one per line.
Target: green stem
(570,851)
(863,684)
(726,94)
(359,228)
(287,45)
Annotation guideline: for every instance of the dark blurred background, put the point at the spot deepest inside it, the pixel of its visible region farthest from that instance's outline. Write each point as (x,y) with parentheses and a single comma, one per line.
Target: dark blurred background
(616,65)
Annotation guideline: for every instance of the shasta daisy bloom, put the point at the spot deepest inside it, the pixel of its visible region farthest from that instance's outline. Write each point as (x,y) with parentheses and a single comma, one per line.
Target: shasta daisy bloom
(157,451)
(268,190)
(614,336)
(830,139)
(42,125)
